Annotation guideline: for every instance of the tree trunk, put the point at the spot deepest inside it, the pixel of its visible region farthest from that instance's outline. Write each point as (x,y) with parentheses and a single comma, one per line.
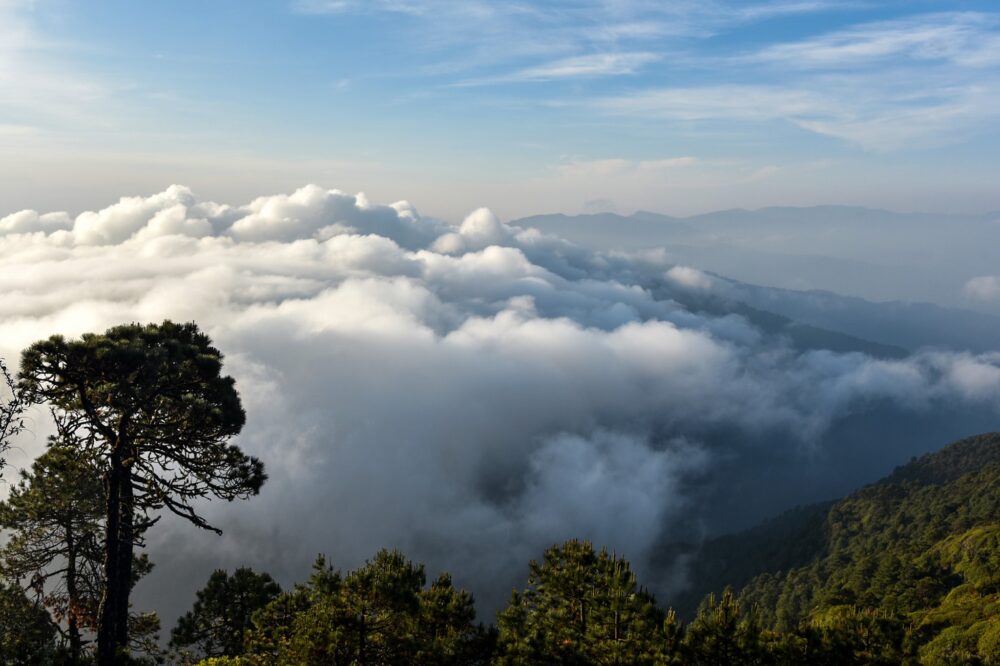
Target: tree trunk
(72,600)
(107,628)
(127,535)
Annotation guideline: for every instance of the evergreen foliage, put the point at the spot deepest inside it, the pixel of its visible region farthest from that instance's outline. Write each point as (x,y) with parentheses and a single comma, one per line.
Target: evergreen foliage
(917,551)
(53,517)
(27,633)
(381,613)
(580,607)
(150,403)
(215,626)
(11,406)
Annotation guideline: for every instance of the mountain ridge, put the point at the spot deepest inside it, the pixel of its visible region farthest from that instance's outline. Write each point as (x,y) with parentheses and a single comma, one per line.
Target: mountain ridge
(921,544)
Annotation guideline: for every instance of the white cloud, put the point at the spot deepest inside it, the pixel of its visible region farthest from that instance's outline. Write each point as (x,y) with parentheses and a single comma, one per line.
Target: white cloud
(871,110)
(583,66)
(692,278)
(961,38)
(983,288)
(460,392)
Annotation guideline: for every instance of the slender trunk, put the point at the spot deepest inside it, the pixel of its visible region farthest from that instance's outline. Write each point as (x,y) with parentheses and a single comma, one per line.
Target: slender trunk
(107,630)
(72,598)
(126,531)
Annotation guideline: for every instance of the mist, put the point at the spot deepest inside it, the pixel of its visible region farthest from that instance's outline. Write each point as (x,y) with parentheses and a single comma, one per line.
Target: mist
(944,259)
(474,392)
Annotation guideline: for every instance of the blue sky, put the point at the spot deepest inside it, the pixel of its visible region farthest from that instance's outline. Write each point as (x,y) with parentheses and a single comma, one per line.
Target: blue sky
(581,105)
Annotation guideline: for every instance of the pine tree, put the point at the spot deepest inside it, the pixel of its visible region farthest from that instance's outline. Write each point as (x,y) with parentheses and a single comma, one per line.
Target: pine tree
(11,406)
(221,615)
(27,634)
(151,404)
(580,607)
(54,517)
(722,633)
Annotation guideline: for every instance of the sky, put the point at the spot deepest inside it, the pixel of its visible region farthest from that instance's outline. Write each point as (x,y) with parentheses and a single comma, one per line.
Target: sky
(526,107)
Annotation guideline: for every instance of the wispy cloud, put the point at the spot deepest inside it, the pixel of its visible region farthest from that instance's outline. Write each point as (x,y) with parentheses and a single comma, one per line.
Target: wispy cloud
(341,6)
(775,9)
(881,108)
(34,90)
(578,38)
(721,102)
(585,66)
(595,64)
(962,38)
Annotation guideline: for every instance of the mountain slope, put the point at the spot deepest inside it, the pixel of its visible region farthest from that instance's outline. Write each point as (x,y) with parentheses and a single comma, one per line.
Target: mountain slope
(923,544)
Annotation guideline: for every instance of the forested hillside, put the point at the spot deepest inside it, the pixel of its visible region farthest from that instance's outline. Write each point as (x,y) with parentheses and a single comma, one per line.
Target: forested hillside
(921,548)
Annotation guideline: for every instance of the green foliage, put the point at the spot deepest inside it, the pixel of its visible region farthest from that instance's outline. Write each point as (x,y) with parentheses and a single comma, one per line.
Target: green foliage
(11,406)
(215,626)
(224,661)
(27,635)
(381,613)
(723,633)
(906,569)
(150,403)
(580,607)
(788,541)
(53,517)
(156,391)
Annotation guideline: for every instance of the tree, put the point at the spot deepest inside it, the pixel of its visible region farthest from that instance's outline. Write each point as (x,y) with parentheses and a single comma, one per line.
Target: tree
(272,630)
(722,633)
(27,634)
(54,516)
(11,406)
(446,628)
(369,620)
(381,613)
(221,614)
(581,607)
(151,404)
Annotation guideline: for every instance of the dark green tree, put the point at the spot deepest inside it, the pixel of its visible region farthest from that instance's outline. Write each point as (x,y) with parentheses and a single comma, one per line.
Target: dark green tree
(852,635)
(54,517)
(216,625)
(581,607)
(11,406)
(723,633)
(446,628)
(152,406)
(370,620)
(27,634)
(271,629)
(381,613)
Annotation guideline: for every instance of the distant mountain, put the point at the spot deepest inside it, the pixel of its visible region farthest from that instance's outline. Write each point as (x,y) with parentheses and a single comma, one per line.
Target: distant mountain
(801,335)
(820,259)
(921,544)
(873,254)
(905,324)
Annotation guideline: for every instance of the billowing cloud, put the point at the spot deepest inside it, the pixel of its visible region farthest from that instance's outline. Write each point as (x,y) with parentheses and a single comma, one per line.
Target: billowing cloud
(469,393)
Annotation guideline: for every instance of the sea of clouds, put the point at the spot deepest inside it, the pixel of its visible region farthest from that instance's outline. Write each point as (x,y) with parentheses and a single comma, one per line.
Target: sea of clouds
(470,394)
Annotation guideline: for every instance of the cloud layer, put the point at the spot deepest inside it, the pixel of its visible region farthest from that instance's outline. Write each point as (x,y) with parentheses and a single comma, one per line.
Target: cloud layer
(469,393)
